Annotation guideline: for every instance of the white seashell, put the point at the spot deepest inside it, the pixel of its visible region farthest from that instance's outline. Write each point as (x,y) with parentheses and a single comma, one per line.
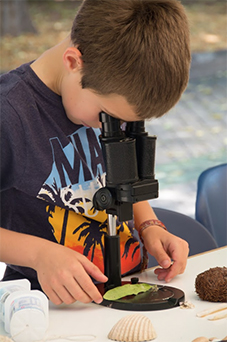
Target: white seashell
(5,339)
(133,328)
(201,339)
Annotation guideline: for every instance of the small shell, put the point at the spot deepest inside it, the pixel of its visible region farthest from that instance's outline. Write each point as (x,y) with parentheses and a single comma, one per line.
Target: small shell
(5,339)
(201,339)
(133,328)
(186,305)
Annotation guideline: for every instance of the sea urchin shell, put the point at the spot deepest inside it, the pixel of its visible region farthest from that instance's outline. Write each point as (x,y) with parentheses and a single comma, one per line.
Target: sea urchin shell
(133,328)
(211,285)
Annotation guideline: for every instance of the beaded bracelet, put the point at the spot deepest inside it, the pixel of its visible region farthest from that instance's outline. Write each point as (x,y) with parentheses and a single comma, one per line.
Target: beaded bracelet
(149,223)
(142,227)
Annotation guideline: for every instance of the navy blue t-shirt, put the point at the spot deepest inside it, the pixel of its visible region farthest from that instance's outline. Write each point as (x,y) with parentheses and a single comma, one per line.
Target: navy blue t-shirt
(50,170)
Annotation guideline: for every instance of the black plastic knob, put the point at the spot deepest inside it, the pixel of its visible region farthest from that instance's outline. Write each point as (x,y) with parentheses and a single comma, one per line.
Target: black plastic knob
(102,199)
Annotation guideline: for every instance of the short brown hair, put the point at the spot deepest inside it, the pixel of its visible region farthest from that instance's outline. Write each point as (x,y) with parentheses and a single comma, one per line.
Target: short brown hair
(135,48)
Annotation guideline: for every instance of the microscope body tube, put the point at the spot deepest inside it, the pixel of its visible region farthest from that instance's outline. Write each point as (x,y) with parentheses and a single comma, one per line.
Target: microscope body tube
(121,153)
(145,149)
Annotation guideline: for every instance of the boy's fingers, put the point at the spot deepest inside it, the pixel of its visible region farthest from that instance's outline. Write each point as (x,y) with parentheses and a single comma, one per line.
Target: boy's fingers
(53,297)
(74,284)
(88,287)
(162,272)
(83,278)
(80,288)
(63,293)
(75,292)
(93,292)
(93,271)
(161,256)
(169,273)
(176,268)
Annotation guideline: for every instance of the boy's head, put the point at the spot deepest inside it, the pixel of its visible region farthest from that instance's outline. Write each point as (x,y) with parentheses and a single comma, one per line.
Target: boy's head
(135,48)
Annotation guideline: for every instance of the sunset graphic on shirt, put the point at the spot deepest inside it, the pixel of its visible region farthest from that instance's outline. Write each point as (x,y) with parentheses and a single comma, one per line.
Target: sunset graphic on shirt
(86,236)
(78,171)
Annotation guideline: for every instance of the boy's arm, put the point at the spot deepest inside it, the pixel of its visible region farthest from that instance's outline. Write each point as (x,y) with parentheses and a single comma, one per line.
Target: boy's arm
(64,274)
(143,212)
(170,251)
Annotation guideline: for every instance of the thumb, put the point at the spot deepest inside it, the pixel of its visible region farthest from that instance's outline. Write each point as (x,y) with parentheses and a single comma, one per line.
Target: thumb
(161,256)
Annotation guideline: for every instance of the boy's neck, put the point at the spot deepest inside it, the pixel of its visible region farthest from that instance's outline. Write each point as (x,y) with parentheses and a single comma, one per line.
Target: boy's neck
(49,66)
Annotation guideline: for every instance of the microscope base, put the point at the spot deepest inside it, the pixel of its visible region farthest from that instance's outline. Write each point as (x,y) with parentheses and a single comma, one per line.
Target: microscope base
(165,298)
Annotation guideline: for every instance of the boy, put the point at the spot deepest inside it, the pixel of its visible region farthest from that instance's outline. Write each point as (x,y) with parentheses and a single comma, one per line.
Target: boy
(128,58)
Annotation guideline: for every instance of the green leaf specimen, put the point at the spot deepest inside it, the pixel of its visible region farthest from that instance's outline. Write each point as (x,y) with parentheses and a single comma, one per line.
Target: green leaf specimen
(128,290)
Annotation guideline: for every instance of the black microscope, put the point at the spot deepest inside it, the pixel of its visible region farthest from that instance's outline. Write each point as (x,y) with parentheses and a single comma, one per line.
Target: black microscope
(129,157)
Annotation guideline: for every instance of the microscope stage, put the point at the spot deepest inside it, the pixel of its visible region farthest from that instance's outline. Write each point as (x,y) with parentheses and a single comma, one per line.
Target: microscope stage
(165,298)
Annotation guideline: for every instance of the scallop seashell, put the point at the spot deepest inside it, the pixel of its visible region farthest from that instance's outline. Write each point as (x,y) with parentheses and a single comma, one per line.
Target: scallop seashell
(133,328)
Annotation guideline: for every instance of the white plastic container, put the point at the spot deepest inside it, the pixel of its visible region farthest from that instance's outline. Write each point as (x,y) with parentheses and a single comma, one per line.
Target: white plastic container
(9,287)
(25,314)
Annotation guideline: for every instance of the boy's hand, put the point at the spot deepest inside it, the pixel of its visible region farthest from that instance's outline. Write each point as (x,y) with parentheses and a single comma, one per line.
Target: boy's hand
(64,275)
(170,251)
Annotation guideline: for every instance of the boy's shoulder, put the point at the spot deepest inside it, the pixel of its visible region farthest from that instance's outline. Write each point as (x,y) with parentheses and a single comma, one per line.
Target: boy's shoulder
(10,80)
(23,90)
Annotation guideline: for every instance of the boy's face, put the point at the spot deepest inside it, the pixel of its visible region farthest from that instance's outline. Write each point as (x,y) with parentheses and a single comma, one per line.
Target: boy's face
(83,106)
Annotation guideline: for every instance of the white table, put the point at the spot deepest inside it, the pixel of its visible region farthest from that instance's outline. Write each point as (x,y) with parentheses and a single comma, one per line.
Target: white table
(171,325)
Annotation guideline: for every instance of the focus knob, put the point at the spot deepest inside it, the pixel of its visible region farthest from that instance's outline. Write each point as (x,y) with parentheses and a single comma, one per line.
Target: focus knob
(102,199)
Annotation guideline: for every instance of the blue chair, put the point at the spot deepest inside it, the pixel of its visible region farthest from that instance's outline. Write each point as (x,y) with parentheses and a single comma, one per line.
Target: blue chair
(211,202)
(197,236)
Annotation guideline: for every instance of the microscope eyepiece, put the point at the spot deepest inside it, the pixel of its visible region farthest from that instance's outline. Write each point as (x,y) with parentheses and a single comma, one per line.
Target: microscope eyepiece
(135,128)
(111,127)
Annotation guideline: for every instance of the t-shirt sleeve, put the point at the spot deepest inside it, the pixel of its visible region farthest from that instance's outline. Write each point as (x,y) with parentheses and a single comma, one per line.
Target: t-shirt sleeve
(13,147)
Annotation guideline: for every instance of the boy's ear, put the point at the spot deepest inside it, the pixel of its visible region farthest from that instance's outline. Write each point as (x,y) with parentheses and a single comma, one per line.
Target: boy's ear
(72,59)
